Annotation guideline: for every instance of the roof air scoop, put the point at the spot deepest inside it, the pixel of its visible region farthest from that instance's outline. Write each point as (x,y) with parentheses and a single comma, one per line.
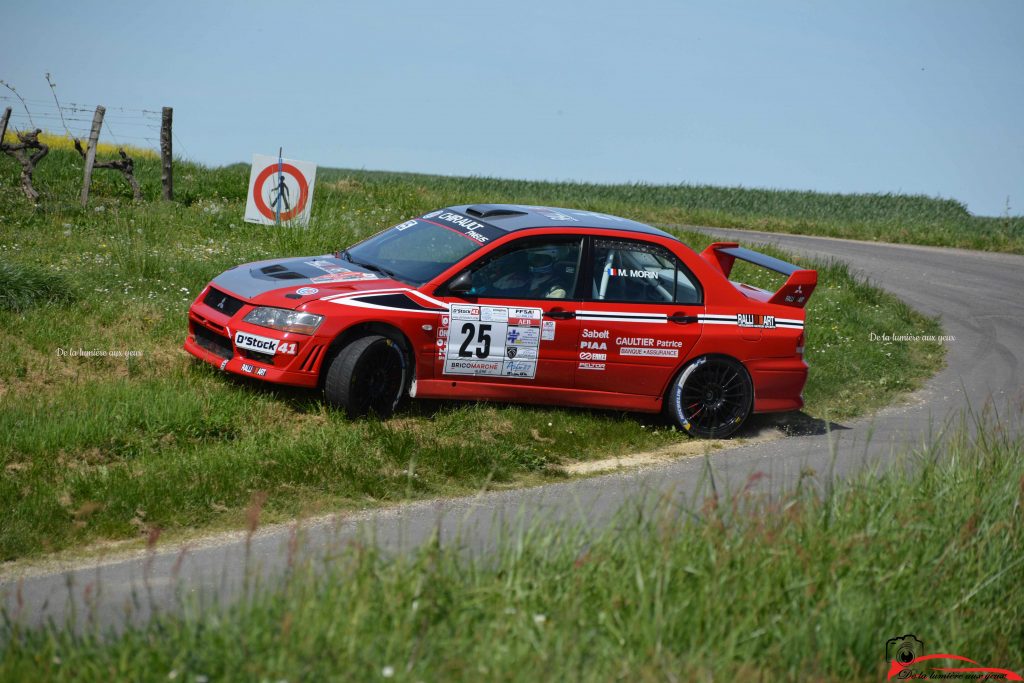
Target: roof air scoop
(493,211)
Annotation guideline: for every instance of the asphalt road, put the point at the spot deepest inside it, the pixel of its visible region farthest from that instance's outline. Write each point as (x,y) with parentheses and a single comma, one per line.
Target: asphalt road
(979,296)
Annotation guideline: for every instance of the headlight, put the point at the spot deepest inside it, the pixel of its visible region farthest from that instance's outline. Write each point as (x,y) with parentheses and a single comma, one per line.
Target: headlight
(284,320)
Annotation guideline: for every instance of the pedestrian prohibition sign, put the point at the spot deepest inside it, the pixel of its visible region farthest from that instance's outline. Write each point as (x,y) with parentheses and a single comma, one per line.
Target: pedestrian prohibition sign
(280,190)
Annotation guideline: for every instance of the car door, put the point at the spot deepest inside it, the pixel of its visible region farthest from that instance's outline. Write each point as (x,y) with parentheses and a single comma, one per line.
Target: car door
(639,318)
(516,324)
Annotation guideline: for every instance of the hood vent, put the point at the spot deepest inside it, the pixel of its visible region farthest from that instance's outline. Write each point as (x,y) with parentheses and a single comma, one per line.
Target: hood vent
(279,272)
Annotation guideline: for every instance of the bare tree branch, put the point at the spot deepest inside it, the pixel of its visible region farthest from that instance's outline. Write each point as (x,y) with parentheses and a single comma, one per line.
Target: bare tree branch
(21,151)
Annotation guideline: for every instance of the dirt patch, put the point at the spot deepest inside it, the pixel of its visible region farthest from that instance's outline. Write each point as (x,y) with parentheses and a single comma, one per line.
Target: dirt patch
(687,448)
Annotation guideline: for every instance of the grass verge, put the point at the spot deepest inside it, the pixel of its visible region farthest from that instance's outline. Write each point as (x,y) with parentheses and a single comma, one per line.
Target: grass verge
(108,429)
(806,586)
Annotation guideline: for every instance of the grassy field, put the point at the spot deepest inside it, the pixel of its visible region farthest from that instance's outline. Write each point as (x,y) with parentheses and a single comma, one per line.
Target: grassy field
(111,446)
(808,586)
(880,217)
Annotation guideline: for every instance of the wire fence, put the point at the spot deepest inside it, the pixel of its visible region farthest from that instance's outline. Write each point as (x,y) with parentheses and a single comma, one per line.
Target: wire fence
(122,125)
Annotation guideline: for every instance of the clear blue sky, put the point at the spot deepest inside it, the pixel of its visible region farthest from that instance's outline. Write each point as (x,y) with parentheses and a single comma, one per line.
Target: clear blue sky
(862,96)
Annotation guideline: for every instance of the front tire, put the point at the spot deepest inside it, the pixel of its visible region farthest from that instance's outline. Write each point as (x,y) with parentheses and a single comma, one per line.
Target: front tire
(711,398)
(369,375)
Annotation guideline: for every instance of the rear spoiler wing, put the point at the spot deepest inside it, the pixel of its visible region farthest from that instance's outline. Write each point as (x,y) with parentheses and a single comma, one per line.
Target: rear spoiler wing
(795,292)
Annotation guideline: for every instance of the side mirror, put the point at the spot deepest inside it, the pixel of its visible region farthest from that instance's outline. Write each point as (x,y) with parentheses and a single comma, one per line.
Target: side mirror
(462,284)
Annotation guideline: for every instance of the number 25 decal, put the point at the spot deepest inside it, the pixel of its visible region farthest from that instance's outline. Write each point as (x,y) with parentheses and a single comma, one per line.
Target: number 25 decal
(483,336)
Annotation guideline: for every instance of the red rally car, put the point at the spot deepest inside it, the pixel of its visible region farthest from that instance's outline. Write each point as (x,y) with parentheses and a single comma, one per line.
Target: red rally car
(517,303)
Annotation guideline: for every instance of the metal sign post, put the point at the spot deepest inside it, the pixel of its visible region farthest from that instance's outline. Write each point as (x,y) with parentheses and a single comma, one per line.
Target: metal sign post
(280,184)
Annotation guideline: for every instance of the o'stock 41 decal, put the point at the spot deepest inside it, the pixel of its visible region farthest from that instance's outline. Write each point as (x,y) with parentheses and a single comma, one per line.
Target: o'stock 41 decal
(490,340)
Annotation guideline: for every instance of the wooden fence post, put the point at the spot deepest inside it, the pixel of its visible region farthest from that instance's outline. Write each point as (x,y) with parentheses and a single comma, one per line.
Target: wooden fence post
(90,154)
(3,124)
(166,174)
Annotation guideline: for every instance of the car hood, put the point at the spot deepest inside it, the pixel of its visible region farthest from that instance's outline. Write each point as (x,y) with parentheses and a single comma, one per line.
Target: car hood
(324,273)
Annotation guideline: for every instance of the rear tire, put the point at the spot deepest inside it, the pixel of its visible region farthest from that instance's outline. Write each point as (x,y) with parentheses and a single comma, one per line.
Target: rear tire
(711,398)
(369,375)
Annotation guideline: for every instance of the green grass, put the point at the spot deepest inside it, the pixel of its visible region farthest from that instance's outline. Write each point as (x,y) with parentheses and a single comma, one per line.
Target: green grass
(806,586)
(96,447)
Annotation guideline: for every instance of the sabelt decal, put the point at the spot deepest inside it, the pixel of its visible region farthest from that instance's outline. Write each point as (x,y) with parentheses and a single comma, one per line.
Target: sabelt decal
(254,342)
(656,353)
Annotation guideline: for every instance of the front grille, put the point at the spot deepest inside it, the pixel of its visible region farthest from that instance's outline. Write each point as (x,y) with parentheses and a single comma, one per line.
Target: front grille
(224,303)
(257,355)
(211,341)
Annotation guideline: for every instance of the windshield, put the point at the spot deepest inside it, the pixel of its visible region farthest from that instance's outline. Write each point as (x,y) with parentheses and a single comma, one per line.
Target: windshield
(419,250)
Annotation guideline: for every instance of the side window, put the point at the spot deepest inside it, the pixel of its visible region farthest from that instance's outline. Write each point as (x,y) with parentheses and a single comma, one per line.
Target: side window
(639,272)
(542,268)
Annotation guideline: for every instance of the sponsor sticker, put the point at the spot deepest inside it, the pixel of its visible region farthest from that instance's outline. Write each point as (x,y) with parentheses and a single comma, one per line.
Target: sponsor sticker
(591,366)
(520,352)
(523,336)
(547,330)
(464,312)
(473,229)
(755,320)
(491,314)
(633,272)
(519,368)
(406,225)
(655,353)
(463,366)
(525,316)
(306,291)
(254,342)
(590,355)
(481,341)
(327,266)
(344,277)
